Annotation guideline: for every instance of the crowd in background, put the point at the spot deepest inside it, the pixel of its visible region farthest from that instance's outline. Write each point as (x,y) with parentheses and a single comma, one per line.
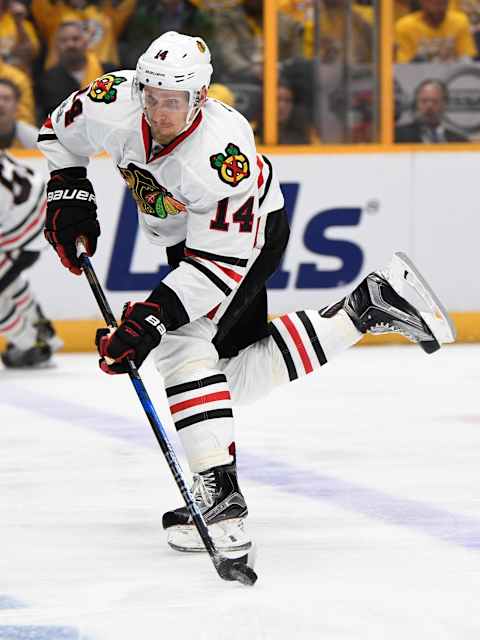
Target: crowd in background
(50,48)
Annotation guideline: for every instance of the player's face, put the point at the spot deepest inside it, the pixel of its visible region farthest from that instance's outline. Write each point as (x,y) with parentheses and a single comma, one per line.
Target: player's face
(430,105)
(435,9)
(166,111)
(8,106)
(71,43)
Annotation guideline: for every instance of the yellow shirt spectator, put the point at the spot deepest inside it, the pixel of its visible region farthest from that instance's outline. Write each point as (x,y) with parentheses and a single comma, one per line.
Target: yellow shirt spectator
(13,49)
(26,108)
(104,23)
(333,25)
(418,40)
(221,92)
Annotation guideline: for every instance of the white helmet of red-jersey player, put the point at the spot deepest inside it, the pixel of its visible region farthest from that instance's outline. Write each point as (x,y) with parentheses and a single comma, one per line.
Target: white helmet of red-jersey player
(177,62)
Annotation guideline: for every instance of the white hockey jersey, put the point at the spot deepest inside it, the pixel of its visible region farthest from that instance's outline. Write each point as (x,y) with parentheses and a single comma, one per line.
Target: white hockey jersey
(208,186)
(22,206)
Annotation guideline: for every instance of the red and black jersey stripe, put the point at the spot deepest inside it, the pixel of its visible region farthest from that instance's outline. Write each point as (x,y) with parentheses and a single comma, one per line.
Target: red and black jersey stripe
(220,284)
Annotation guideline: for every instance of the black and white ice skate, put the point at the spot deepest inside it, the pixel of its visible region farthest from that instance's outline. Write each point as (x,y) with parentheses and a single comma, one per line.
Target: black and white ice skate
(46,332)
(398,299)
(223,507)
(37,356)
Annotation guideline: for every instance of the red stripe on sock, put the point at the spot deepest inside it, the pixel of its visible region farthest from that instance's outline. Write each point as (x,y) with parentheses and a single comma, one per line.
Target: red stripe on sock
(11,325)
(36,222)
(292,330)
(26,299)
(209,397)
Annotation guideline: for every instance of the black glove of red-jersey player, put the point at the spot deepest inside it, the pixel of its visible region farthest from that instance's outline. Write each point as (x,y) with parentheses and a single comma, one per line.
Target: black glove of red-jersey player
(140,331)
(71,214)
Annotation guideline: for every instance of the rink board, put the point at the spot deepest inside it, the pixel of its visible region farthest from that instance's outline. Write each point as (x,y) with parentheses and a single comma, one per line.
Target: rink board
(348,213)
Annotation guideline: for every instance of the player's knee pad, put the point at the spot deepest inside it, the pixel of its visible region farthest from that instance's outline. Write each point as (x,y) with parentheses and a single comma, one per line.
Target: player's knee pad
(186,350)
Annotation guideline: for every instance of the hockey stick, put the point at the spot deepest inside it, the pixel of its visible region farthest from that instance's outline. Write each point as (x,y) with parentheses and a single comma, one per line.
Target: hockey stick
(227,568)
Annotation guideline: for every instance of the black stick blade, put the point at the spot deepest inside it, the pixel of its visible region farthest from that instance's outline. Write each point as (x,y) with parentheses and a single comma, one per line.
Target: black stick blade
(237,570)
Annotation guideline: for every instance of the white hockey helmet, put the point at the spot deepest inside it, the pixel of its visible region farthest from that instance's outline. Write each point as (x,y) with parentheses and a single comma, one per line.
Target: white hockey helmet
(177,62)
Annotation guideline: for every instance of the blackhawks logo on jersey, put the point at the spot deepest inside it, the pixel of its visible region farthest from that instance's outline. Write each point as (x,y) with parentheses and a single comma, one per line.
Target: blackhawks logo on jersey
(151,198)
(103,89)
(232,166)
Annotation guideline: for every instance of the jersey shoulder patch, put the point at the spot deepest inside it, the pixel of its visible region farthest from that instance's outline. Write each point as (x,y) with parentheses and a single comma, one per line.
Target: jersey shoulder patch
(232,166)
(104,90)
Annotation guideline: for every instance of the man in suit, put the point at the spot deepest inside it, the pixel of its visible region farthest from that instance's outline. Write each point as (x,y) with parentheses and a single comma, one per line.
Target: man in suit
(430,101)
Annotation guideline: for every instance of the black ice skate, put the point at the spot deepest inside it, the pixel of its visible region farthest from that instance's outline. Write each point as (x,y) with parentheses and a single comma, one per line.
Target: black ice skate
(218,496)
(378,305)
(46,332)
(36,356)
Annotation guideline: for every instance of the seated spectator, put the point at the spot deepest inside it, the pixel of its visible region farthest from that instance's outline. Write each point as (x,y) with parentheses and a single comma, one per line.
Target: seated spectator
(333,34)
(430,102)
(26,107)
(239,40)
(19,44)
(13,132)
(293,124)
(76,67)
(104,22)
(434,34)
(158,16)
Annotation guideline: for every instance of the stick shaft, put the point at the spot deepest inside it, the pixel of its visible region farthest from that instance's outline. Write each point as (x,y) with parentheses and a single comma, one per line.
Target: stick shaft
(152,416)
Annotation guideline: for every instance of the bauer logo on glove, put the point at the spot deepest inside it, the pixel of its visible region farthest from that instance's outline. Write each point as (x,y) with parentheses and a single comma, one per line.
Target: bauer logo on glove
(71,194)
(140,331)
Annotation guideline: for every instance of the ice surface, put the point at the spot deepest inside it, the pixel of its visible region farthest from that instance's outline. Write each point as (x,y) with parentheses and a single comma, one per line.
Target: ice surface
(362,483)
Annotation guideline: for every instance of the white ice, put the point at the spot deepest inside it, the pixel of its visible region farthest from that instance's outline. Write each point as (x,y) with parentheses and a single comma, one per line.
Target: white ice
(362,483)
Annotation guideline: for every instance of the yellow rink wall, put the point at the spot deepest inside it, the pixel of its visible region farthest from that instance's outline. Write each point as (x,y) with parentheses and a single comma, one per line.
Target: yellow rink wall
(79,335)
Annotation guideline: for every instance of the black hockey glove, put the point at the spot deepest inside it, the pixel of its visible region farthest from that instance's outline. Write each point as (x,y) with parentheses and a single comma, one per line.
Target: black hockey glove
(140,331)
(71,214)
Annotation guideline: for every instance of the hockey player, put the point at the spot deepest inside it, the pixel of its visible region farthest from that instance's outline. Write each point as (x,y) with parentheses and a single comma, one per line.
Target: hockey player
(204,193)
(31,339)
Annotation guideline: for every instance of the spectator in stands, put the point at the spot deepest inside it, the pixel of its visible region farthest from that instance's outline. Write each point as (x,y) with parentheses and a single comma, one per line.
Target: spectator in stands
(19,44)
(434,34)
(26,108)
(239,40)
(333,33)
(13,132)
(104,22)
(158,16)
(294,126)
(430,102)
(472,9)
(77,67)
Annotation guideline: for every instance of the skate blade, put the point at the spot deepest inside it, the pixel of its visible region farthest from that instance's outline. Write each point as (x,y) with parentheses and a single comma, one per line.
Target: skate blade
(40,366)
(404,277)
(228,536)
